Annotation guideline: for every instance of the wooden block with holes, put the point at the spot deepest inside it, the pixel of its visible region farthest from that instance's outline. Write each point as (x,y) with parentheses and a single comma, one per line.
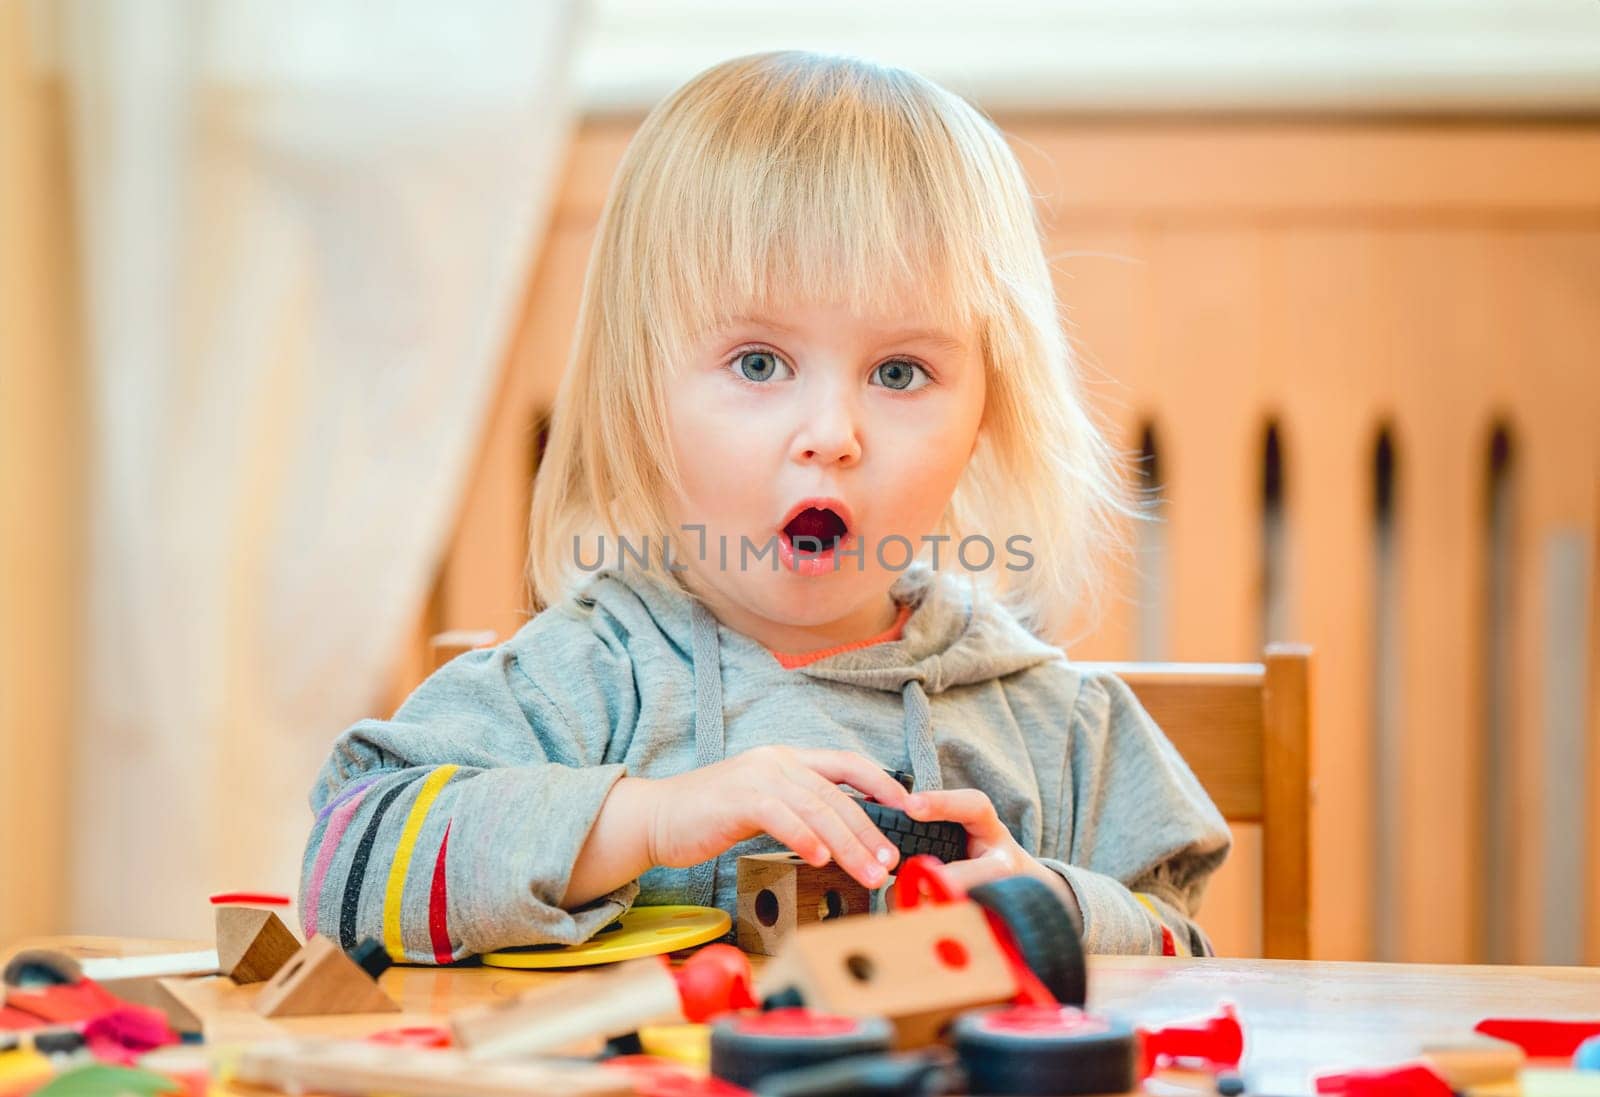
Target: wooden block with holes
(779,892)
(321,979)
(252,943)
(919,968)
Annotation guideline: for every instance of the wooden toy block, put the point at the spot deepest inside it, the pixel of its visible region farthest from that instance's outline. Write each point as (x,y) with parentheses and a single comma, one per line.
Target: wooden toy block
(252,944)
(321,979)
(1479,1061)
(570,1015)
(355,1068)
(918,968)
(779,892)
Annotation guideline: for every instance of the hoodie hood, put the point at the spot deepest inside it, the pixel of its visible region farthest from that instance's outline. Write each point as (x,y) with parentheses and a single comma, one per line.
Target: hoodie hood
(950,639)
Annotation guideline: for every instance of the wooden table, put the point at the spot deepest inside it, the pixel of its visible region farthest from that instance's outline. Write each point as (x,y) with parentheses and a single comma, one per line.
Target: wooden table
(1301,1018)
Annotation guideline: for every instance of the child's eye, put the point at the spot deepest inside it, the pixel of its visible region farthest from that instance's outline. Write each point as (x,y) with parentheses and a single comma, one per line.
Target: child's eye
(760,365)
(901,375)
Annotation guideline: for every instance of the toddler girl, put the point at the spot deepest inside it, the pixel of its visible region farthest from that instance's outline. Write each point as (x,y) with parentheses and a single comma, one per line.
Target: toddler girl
(819,478)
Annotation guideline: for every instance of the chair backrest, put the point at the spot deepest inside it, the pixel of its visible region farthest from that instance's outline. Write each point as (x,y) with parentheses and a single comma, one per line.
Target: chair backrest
(1245,730)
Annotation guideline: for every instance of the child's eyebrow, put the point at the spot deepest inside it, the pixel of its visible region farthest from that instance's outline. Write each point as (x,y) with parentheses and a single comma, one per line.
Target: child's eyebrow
(931,336)
(927,335)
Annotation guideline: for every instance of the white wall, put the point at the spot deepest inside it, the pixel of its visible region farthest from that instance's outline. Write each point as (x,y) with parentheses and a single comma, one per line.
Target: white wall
(1529,56)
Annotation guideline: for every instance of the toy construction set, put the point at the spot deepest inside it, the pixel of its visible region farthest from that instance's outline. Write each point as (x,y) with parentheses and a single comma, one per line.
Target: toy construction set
(943,991)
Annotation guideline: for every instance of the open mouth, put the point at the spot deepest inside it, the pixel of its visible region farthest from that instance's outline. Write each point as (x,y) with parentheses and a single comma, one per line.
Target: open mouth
(812,534)
(816,530)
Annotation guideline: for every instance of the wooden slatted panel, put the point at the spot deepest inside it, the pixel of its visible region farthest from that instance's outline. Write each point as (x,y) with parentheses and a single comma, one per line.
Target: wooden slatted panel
(1201,369)
(1548,294)
(1256,172)
(1433,312)
(1320,296)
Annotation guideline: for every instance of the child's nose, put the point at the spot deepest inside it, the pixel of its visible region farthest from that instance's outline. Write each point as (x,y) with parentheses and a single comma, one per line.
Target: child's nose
(829,435)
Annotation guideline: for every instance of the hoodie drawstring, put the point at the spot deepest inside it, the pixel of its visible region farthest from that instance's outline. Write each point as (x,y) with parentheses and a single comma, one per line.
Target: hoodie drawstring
(709,743)
(919,738)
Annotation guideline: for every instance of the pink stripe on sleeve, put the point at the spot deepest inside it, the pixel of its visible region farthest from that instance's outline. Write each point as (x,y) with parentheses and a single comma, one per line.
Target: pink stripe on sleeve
(338,822)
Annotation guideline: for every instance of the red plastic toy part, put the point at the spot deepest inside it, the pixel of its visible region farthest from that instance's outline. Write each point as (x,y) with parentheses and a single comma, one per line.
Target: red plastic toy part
(1044,1021)
(251,898)
(1540,1039)
(123,1035)
(1410,1080)
(713,981)
(68,1003)
(796,1021)
(428,1036)
(922,878)
(1216,1042)
(653,1077)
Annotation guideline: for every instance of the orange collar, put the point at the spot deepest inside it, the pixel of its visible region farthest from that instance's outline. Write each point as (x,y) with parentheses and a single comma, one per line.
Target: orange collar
(791,661)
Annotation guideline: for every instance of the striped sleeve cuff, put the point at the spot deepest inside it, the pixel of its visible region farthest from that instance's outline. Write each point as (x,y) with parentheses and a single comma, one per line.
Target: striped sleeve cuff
(1114,920)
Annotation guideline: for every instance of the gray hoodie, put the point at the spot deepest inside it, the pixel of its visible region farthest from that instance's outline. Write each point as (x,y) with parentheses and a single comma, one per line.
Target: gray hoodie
(451,829)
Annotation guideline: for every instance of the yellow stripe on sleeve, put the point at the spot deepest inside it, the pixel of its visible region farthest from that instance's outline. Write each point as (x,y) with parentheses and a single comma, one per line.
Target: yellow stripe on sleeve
(393,941)
(1179,944)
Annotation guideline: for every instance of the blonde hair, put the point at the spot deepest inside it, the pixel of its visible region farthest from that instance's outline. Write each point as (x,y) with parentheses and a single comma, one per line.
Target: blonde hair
(796,169)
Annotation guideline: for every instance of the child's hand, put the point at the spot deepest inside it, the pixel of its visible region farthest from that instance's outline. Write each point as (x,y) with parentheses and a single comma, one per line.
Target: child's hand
(993,852)
(790,794)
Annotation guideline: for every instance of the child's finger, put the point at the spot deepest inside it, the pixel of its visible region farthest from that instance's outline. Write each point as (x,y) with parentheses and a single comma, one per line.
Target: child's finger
(829,825)
(967,806)
(879,849)
(783,823)
(856,770)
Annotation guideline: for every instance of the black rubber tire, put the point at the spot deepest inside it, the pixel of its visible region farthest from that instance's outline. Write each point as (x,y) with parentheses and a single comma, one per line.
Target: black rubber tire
(1042,1061)
(745,1057)
(59,1041)
(1045,932)
(946,841)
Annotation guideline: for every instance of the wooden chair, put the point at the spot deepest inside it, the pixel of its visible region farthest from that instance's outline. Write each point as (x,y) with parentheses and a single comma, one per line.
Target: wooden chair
(1245,730)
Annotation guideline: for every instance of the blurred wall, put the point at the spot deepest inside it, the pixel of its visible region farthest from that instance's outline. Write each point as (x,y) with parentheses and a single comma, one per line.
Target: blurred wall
(286,253)
(41,440)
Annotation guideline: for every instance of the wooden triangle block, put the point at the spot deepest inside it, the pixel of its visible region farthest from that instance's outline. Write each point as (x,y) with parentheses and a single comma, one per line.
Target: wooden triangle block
(321,979)
(252,944)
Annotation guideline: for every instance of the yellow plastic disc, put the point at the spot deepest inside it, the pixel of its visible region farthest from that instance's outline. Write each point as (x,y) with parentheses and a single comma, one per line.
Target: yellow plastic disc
(642,931)
(22,1069)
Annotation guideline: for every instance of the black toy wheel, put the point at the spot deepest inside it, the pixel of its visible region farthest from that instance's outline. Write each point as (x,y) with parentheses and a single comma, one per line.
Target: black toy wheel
(747,1047)
(1044,931)
(946,841)
(1027,1050)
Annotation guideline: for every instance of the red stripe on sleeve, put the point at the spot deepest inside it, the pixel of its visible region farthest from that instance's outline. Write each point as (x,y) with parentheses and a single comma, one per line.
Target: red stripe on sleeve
(439,908)
(1168,946)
